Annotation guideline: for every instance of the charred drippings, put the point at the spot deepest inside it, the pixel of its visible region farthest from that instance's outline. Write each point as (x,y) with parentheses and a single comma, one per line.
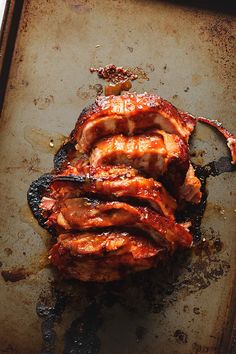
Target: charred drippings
(50,311)
(14,275)
(195,212)
(215,168)
(140,333)
(149,292)
(64,155)
(181,336)
(81,337)
(34,196)
(208,246)
(196,310)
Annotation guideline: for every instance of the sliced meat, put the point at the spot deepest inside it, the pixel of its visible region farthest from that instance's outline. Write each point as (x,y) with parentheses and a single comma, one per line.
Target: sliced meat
(113,182)
(129,114)
(104,255)
(191,189)
(156,153)
(84,214)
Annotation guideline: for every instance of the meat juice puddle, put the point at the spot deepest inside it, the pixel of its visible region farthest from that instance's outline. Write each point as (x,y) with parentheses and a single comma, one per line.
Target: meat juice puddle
(27,218)
(22,272)
(42,140)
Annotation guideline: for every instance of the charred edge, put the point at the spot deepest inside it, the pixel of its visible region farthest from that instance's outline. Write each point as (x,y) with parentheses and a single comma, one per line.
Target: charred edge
(195,212)
(215,168)
(50,314)
(70,178)
(34,197)
(85,114)
(81,337)
(63,156)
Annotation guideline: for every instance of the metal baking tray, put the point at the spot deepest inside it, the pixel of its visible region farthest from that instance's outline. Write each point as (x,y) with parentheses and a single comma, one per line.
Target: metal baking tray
(187,52)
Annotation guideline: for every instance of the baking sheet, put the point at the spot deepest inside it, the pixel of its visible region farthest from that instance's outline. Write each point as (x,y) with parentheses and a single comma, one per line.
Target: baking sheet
(188,55)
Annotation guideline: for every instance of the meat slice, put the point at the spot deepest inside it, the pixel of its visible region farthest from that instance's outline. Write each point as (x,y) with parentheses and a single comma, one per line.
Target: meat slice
(191,188)
(129,114)
(112,182)
(155,153)
(84,214)
(104,255)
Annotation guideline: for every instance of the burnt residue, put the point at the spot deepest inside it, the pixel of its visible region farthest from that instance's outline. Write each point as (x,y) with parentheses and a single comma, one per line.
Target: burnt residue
(181,336)
(195,213)
(8,251)
(155,290)
(50,309)
(63,155)
(81,337)
(200,348)
(34,196)
(149,292)
(203,272)
(208,246)
(43,102)
(140,333)
(196,310)
(15,274)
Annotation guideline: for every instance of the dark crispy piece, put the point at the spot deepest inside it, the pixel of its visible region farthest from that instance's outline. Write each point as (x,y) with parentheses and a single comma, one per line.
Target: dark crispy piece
(104,255)
(35,194)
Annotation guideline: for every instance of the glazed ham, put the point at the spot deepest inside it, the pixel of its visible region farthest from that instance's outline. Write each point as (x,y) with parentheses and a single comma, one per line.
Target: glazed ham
(129,114)
(105,255)
(118,182)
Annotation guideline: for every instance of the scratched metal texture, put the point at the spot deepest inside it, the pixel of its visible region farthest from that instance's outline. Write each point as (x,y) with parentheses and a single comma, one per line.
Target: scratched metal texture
(188,54)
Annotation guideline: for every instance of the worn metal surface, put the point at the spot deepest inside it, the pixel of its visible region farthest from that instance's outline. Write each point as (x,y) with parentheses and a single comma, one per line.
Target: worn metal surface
(188,55)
